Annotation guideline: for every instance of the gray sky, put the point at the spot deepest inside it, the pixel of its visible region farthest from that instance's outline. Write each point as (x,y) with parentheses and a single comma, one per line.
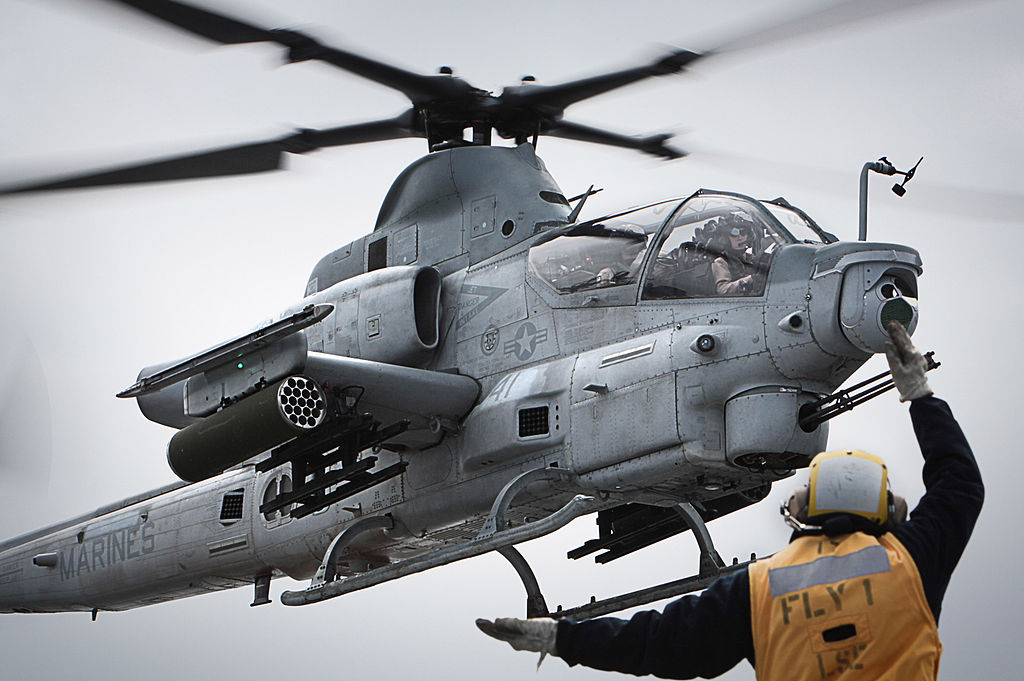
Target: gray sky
(97,284)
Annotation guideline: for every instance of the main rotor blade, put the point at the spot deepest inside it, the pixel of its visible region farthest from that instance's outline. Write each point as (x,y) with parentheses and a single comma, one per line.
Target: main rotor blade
(942,198)
(216,27)
(241,159)
(653,144)
(554,99)
(835,15)
(301,47)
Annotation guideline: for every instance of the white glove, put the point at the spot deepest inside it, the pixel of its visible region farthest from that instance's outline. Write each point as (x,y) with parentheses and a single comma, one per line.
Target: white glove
(907,364)
(536,635)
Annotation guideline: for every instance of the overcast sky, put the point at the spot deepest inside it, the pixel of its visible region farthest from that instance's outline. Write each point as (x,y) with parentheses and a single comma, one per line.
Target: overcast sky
(97,284)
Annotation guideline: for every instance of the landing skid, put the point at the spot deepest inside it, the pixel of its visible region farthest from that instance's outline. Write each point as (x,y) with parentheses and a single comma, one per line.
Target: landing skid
(496,535)
(711,568)
(490,538)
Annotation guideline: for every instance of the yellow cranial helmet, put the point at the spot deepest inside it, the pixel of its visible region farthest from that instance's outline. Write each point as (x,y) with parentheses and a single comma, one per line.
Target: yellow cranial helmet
(849,481)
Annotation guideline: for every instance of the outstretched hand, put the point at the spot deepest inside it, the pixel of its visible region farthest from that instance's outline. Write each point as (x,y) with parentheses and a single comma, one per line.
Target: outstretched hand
(907,364)
(536,635)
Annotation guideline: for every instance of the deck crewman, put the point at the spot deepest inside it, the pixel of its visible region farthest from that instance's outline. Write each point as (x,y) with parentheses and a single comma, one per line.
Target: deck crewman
(855,595)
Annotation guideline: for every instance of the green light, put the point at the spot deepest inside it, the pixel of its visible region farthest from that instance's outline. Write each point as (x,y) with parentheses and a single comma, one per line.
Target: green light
(241,366)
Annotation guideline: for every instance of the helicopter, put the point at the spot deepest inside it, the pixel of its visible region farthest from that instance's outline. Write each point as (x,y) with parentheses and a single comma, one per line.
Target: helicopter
(471,387)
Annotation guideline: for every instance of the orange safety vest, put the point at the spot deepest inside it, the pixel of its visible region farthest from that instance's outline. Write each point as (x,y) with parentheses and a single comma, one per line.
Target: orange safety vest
(842,608)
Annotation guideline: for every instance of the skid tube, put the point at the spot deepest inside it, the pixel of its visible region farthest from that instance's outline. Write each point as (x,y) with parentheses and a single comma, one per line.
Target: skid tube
(711,568)
(492,537)
(495,536)
(633,599)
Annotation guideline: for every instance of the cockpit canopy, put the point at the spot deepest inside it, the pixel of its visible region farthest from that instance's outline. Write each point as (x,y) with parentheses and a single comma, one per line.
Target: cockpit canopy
(597,255)
(709,245)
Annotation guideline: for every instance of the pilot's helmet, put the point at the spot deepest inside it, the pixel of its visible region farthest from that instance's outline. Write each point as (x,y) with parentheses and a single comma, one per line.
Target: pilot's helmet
(847,482)
(736,225)
(732,225)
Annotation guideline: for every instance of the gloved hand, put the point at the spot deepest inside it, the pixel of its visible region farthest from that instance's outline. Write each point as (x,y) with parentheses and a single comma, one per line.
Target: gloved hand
(536,635)
(907,364)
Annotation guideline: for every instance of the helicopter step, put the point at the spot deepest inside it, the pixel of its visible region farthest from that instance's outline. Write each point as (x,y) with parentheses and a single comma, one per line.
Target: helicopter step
(495,535)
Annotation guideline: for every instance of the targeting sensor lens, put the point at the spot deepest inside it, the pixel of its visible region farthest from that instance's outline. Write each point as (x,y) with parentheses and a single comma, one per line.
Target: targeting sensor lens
(897,310)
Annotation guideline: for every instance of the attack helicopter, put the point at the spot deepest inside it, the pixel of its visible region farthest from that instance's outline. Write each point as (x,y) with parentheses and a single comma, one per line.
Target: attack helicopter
(481,369)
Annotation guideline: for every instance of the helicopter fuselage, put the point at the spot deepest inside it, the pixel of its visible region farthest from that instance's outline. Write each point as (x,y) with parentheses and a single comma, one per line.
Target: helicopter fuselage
(646,385)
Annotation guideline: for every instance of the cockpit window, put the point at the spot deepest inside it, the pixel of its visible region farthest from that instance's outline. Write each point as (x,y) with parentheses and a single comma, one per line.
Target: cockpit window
(795,223)
(598,255)
(713,246)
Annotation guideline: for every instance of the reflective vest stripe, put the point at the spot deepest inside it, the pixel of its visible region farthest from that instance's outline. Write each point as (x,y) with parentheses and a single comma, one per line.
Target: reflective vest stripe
(828,569)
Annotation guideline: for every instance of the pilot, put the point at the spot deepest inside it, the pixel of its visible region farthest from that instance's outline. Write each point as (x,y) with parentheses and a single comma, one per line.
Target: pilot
(629,257)
(733,271)
(855,595)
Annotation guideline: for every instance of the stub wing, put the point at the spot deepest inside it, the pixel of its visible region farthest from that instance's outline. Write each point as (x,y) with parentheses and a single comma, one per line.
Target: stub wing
(326,402)
(432,401)
(152,380)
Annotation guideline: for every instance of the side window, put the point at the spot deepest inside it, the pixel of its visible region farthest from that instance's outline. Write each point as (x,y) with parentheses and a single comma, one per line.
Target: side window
(713,247)
(598,257)
(595,256)
(275,486)
(269,494)
(286,487)
(377,254)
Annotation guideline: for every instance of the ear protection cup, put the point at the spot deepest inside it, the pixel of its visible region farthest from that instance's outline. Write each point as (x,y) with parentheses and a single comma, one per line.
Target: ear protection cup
(897,510)
(797,503)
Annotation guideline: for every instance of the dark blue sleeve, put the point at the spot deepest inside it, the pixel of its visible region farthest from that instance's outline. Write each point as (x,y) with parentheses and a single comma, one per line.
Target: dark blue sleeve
(694,636)
(939,527)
